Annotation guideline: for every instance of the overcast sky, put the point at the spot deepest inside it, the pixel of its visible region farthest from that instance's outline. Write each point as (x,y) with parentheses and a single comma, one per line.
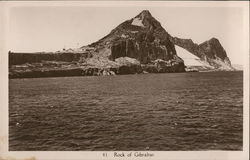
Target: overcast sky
(53,28)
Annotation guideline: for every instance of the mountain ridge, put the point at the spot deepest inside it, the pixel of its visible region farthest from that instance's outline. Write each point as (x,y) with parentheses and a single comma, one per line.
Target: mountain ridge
(137,45)
(210,51)
(142,38)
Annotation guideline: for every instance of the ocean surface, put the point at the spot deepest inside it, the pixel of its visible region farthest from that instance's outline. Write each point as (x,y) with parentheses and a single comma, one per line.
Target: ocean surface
(173,111)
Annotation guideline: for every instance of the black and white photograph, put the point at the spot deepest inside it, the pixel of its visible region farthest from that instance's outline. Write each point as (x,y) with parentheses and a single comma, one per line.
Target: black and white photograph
(126,76)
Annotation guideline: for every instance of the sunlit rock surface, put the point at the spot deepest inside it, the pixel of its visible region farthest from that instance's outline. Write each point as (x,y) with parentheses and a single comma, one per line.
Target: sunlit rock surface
(138,45)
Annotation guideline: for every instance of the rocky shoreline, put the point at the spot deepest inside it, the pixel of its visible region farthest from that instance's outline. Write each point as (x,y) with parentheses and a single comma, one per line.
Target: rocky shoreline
(138,45)
(68,69)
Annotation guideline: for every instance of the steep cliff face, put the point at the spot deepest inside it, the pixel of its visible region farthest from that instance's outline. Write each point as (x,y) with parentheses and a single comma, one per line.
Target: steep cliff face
(210,51)
(138,45)
(22,58)
(142,38)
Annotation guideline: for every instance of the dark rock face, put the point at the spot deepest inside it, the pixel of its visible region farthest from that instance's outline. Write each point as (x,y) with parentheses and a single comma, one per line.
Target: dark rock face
(142,38)
(75,71)
(129,69)
(138,45)
(187,44)
(48,73)
(210,51)
(22,58)
(143,51)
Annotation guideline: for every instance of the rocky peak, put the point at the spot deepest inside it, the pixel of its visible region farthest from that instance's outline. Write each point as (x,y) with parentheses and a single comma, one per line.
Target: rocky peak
(146,20)
(213,49)
(210,51)
(144,15)
(142,38)
(214,40)
(143,24)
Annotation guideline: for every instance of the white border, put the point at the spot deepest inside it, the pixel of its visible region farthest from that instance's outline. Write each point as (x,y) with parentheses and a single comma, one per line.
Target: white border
(173,155)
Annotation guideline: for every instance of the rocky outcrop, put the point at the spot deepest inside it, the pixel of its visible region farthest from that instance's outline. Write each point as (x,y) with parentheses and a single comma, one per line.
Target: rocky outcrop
(210,52)
(22,58)
(138,45)
(142,38)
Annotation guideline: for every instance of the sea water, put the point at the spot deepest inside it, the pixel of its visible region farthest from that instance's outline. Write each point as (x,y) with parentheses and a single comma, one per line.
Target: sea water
(172,111)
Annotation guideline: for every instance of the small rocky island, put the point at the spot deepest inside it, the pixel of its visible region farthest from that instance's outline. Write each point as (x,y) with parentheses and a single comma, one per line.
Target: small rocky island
(138,45)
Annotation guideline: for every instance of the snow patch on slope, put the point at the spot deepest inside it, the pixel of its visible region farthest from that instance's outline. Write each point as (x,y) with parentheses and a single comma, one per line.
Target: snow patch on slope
(189,58)
(137,22)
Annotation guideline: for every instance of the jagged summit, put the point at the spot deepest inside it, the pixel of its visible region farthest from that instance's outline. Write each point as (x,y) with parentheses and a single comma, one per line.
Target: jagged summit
(143,22)
(146,20)
(142,38)
(144,13)
(213,49)
(214,39)
(210,51)
(138,45)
